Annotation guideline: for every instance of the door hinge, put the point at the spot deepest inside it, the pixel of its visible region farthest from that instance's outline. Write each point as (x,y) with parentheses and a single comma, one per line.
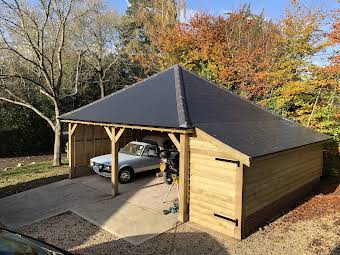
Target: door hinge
(226,218)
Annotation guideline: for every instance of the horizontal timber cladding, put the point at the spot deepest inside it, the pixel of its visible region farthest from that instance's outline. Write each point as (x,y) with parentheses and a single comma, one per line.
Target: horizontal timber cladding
(273,185)
(213,191)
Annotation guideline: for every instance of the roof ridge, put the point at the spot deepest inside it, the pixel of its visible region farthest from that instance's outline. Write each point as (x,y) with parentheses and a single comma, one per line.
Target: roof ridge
(182,108)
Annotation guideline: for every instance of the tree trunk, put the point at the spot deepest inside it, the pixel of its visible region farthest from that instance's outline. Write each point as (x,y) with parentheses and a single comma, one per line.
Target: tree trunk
(102,89)
(57,144)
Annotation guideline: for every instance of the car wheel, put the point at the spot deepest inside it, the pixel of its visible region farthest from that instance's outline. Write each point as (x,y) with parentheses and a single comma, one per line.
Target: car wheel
(125,175)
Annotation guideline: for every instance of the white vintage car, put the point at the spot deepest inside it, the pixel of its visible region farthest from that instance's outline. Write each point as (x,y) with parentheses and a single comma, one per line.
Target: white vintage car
(135,157)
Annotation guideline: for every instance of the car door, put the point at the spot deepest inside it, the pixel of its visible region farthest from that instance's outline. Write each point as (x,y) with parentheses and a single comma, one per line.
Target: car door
(148,162)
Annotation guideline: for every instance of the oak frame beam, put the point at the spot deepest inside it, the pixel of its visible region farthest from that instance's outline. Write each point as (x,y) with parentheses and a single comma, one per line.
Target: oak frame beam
(117,136)
(173,138)
(171,130)
(108,131)
(73,128)
(119,133)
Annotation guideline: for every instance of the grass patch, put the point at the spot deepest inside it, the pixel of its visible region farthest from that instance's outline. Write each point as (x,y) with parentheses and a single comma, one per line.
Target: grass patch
(30,176)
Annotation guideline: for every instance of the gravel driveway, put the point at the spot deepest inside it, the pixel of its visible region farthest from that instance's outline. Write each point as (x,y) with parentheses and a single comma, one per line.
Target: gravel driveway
(311,228)
(314,236)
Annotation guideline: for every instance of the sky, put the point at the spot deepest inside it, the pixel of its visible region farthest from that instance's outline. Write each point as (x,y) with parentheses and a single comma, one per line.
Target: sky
(273,9)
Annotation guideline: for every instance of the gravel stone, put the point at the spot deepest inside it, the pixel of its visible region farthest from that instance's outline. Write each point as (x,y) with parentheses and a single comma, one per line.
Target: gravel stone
(75,234)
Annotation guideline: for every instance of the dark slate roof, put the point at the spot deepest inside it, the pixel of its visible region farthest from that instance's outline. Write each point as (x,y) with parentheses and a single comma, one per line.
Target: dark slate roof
(151,102)
(259,138)
(177,98)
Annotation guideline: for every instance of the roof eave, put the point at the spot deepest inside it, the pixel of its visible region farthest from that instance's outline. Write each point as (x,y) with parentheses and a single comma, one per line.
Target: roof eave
(277,153)
(133,126)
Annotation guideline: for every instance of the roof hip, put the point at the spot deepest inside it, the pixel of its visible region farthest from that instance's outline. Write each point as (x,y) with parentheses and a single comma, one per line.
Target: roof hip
(182,109)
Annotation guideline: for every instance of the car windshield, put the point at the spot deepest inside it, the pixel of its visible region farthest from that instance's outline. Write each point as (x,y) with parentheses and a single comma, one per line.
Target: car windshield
(132,149)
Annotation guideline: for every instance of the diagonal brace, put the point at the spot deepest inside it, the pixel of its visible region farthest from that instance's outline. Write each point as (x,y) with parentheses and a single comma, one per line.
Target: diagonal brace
(175,141)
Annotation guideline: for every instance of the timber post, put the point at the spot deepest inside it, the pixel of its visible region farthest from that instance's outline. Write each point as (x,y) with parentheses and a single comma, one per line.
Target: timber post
(71,149)
(183,199)
(114,134)
(114,162)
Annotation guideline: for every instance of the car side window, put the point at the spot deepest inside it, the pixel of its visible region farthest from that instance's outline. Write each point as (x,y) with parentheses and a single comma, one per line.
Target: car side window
(148,148)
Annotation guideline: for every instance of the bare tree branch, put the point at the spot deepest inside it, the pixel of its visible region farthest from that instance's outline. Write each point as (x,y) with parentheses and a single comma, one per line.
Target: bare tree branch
(32,40)
(27,105)
(78,66)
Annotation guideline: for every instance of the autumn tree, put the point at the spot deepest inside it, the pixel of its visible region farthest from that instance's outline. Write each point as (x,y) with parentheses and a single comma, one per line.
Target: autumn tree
(302,90)
(325,115)
(143,20)
(232,50)
(265,61)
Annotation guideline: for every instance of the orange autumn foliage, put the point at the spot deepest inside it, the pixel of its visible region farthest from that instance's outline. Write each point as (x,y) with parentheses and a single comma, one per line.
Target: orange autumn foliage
(234,51)
(265,61)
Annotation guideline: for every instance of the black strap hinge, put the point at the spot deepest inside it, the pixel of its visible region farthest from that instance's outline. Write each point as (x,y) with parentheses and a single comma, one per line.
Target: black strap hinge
(226,218)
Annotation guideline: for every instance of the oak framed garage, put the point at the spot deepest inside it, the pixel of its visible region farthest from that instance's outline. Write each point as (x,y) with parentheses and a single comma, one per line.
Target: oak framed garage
(86,137)
(239,164)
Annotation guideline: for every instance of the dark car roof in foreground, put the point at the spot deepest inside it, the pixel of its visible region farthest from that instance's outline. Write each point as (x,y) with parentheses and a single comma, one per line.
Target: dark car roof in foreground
(17,237)
(177,98)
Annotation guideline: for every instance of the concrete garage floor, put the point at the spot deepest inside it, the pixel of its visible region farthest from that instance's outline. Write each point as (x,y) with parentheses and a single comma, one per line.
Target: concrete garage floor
(135,215)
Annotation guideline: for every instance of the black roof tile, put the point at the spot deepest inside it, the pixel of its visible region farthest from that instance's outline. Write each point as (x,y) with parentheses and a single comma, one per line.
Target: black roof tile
(177,98)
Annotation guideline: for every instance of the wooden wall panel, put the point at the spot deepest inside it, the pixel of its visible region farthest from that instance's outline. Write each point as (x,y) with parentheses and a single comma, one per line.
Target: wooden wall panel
(212,187)
(91,141)
(270,180)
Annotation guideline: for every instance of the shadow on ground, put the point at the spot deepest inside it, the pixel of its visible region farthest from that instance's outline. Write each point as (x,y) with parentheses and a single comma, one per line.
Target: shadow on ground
(336,251)
(85,238)
(328,184)
(167,243)
(23,186)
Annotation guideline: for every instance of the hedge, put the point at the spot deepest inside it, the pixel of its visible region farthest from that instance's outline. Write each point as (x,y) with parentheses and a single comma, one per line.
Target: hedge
(22,142)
